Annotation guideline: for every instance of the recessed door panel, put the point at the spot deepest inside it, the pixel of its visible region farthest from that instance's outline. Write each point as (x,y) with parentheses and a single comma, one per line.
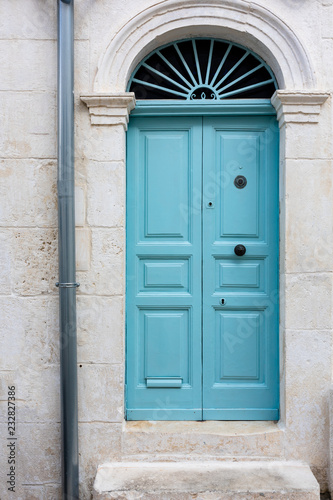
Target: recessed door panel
(238,347)
(238,155)
(239,276)
(164,274)
(166,344)
(166,174)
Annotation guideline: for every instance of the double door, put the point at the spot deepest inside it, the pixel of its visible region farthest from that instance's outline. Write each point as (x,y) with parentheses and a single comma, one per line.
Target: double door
(202,268)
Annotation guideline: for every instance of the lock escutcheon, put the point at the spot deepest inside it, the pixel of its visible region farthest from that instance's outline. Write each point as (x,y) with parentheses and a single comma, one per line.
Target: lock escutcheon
(240,181)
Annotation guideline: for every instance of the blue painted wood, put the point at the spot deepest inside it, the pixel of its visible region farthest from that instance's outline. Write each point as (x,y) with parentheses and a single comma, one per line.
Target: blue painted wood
(230,107)
(240,338)
(184,217)
(164,378)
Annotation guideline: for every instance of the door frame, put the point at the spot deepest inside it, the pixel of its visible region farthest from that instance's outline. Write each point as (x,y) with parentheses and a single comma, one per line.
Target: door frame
(230,107)
(173,108)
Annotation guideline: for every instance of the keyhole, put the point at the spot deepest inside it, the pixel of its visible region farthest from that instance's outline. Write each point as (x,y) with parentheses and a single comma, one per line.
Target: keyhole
(210,204)
(222,302)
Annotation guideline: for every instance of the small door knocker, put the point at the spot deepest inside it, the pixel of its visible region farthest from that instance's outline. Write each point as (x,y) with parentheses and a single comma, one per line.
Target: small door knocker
(240,181)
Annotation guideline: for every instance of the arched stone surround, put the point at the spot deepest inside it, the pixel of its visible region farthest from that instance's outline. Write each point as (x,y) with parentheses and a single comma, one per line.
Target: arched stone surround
(245,23)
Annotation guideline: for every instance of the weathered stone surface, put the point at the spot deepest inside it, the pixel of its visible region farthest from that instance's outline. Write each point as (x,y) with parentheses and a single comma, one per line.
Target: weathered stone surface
(101,143)
(190,440)
(206,481)
(80,205)
(308,301)
(39,492)
(309,244)
(21,62)
(42,442)
(83,248)
(5,259)
(97,441)
(34,338)
(36,204)
(100,329)
(34,267)
(81,68)
(106,194)
(39,389)
(308,366)
(52,492)
(106,276)
(37,394)
(330,469)
(327,21)
(155,495)
(308,141)
(327,47)
(37,21)
(101,393)
(35,114)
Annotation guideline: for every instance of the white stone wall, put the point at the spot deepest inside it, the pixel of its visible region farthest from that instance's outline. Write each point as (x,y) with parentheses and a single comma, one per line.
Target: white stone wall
(28,249)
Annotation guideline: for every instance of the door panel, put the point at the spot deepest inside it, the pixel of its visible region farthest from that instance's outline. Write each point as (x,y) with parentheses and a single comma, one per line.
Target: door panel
(164,275)
(202,323)
(166,175)
(239,276)
(164,374)
(239,346)
(238,154)
(240,336)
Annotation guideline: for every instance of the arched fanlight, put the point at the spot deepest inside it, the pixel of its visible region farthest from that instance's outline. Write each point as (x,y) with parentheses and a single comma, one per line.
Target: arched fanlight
(202,69)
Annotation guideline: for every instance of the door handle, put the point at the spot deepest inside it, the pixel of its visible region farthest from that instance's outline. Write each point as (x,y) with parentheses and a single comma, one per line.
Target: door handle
(240,250)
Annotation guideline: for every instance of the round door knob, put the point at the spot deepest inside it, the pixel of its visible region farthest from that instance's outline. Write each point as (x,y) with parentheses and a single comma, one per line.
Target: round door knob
(240,250)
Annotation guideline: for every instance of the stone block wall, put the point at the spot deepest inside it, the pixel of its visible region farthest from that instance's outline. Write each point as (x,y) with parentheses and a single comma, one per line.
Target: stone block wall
(28,256)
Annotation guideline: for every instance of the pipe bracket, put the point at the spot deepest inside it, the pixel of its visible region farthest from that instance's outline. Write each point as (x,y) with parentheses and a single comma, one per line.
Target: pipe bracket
(67,285)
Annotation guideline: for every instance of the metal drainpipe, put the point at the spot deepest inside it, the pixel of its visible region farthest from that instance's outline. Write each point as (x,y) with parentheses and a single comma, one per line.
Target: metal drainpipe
(67,280)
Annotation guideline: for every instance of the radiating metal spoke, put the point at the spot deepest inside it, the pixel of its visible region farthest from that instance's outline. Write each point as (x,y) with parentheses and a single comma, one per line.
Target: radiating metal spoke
(186,65)
(165,77)
(197,61)
(209,63)
(173,68)
(221,64)
(232,69)
(147,84)
(240,78)
(245,89)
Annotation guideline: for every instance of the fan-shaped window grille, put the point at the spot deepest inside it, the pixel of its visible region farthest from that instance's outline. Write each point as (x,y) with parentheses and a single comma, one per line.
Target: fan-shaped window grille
(203,69)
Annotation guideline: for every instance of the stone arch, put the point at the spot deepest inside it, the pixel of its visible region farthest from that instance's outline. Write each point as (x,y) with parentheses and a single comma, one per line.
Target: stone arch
(248,24)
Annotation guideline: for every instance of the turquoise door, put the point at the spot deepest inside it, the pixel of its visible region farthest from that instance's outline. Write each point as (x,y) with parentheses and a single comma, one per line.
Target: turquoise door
(202,315)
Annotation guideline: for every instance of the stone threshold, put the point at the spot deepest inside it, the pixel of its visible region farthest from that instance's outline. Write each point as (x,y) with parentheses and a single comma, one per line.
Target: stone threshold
(223,428)
(205,480)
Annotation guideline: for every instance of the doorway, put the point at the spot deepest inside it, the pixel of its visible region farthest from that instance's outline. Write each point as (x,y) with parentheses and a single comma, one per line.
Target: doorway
(202,268)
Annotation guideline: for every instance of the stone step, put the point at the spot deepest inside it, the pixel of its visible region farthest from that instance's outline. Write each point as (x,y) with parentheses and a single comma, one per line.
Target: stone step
(204,480)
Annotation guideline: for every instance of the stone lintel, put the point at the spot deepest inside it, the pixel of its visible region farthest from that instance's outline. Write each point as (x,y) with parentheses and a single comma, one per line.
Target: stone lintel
(110,109)
(293,106)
